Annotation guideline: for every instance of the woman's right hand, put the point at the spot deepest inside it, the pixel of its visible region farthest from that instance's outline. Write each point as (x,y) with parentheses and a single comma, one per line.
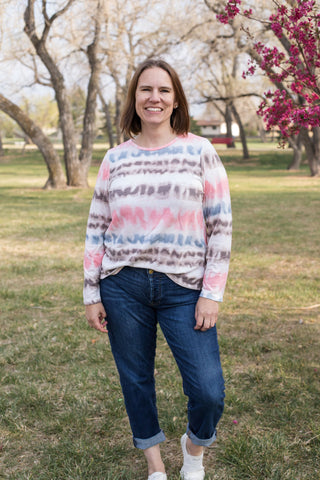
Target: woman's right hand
(96,316)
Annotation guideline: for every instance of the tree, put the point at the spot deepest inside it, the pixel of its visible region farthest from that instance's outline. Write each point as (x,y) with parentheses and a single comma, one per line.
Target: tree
(294,103)
(77,166)
(222,85)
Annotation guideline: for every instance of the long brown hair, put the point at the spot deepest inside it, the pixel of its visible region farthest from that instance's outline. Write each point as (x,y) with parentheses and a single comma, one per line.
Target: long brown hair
(130,123)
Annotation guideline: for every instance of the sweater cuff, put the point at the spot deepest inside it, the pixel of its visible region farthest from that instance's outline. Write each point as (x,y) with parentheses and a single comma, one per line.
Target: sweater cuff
(91,295)
(211,296)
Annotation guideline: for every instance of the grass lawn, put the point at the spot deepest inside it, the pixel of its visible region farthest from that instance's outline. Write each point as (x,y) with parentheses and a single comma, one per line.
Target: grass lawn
(62,413)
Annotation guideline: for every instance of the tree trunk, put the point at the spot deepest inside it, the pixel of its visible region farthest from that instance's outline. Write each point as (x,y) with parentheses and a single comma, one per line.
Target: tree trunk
(296,143)
(296,159)
(312,147)
(89,120)
(56,177)
(228,119)
(262,132)
(106,111)
(242,132)
(71,158)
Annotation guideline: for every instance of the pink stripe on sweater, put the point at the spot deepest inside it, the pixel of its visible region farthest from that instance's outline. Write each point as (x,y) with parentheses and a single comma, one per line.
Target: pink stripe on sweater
(148,219)
(214,281)
(216,191)
(104,171)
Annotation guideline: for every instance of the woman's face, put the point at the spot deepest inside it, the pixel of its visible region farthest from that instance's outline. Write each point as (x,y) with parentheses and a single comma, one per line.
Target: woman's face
(154,97)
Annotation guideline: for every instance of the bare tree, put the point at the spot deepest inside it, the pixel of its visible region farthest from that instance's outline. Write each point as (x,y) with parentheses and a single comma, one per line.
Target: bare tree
(76,165)
(57,79)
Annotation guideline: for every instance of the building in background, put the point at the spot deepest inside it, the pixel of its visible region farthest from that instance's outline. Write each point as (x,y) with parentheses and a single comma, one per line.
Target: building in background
(215,128)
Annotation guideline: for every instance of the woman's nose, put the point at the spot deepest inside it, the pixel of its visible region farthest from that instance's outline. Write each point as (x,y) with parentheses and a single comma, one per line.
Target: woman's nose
(154,96)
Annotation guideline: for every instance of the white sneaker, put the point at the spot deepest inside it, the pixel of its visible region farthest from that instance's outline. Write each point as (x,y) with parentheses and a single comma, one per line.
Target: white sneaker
(157,476)
(192,468)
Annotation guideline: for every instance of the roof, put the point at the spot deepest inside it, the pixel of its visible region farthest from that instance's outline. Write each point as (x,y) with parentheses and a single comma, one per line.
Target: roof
(208,123)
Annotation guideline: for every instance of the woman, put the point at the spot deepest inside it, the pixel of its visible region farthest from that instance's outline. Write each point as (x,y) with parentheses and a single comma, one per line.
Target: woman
(157,251)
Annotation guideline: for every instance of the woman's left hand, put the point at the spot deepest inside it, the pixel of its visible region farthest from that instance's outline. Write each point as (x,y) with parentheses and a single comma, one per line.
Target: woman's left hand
(206,314)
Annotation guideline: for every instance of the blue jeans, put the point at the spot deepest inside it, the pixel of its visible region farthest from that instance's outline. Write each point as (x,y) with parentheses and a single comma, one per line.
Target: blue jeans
(135,300)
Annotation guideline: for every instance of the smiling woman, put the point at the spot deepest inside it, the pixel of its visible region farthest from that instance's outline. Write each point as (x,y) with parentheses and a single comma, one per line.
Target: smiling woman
(157,252)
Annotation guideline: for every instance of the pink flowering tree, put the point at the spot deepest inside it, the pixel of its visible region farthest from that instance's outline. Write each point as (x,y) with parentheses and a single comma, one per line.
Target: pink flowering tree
(293,66)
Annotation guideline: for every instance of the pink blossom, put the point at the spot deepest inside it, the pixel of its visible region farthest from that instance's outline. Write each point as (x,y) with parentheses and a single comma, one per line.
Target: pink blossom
(277,28)
(282,10)
(297,105)
(231,10)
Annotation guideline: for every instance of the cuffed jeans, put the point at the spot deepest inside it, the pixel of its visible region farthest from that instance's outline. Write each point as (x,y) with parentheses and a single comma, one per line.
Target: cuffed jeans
(135,300)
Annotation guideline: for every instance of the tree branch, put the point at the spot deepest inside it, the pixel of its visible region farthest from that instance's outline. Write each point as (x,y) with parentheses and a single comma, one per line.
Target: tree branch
(61,12)
(214,8)
(49,20)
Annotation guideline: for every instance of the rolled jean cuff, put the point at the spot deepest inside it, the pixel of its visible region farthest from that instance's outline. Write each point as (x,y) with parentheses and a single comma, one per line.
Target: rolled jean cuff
(144,443)
(203,442)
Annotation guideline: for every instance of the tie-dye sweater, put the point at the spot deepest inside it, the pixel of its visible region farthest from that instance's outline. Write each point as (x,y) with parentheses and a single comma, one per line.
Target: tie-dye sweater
(166,209)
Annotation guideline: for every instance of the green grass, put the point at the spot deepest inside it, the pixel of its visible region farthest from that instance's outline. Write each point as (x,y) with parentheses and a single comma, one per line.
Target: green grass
(62,413)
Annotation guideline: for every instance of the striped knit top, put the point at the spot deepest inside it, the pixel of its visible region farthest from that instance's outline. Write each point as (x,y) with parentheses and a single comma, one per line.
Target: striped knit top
(165,208)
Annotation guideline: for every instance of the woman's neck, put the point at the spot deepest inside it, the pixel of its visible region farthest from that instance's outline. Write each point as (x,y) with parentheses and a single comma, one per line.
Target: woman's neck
(153,138)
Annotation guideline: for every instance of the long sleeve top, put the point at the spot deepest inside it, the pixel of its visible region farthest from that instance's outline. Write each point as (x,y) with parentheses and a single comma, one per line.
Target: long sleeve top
(166,209)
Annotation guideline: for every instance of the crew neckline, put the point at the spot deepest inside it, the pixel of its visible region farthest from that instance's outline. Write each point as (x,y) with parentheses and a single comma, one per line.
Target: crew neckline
(154,148)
